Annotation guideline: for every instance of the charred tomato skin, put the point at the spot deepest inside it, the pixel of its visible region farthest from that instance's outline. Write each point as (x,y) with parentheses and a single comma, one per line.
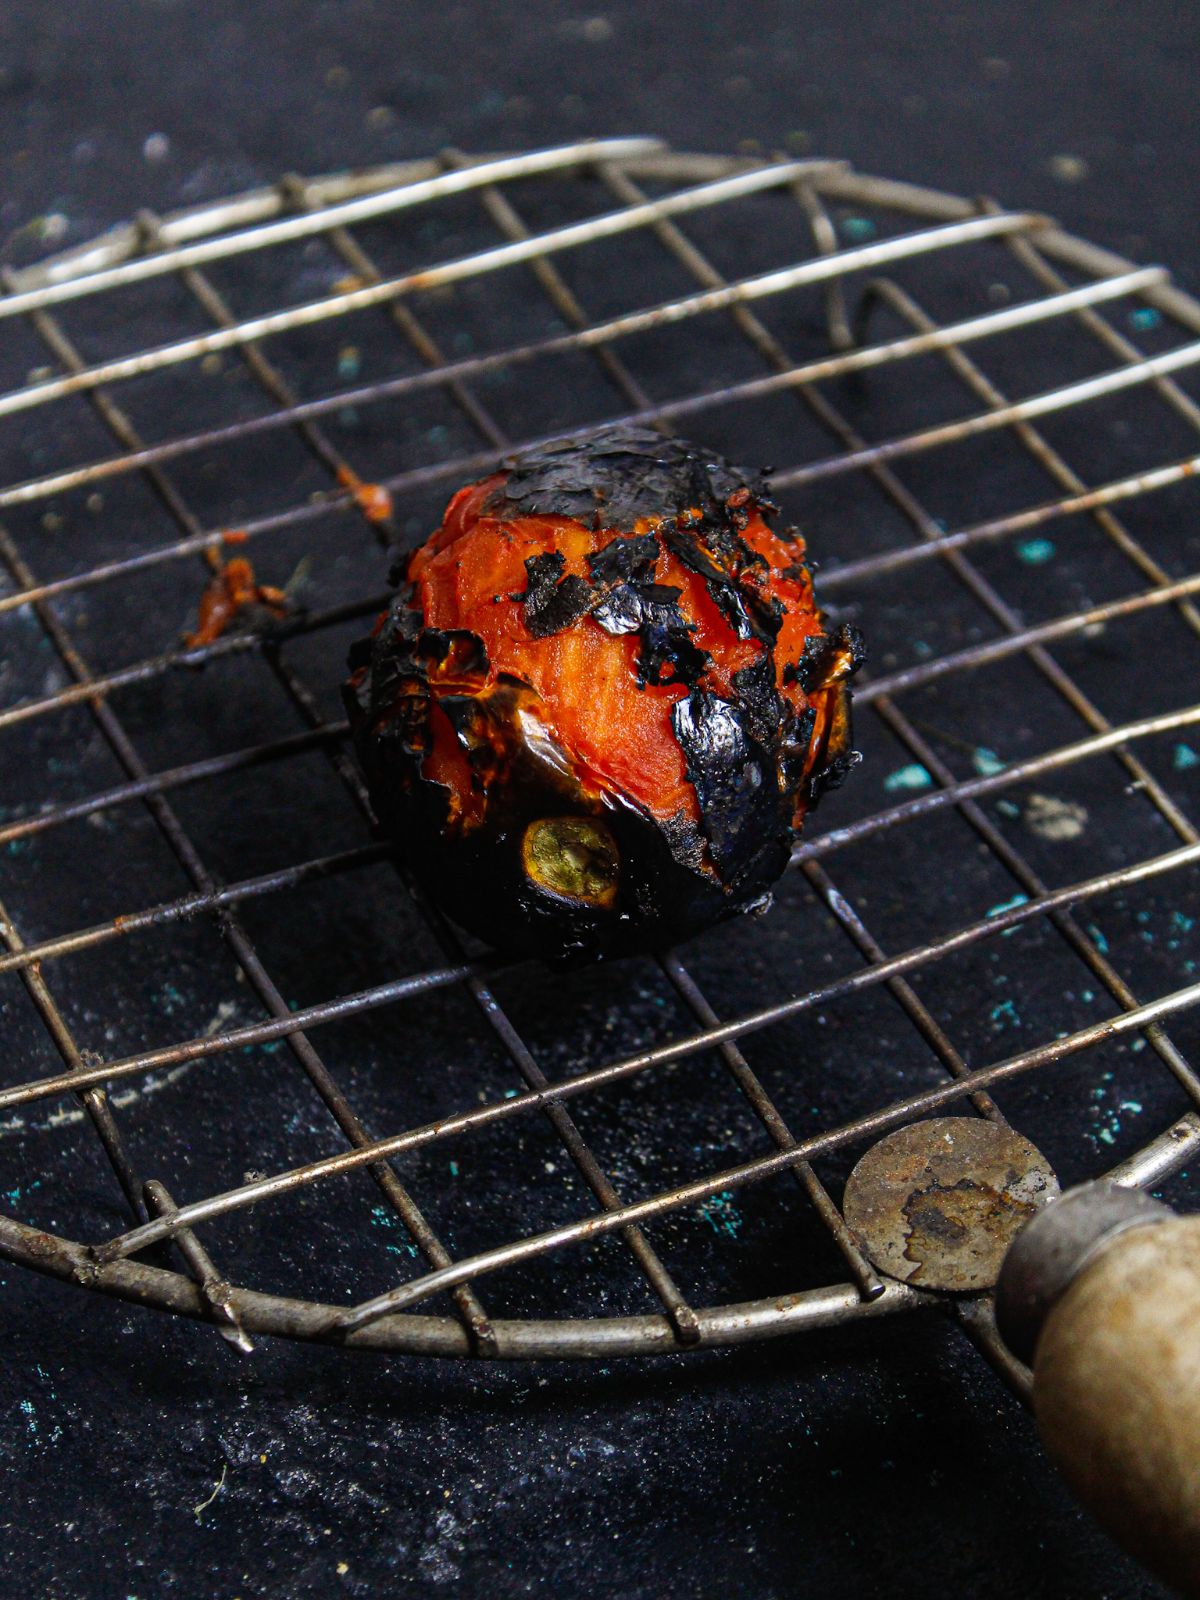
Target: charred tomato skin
(602,699)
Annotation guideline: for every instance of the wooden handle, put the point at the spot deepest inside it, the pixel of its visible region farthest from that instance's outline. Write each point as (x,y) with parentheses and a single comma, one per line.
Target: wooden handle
(1116,1391)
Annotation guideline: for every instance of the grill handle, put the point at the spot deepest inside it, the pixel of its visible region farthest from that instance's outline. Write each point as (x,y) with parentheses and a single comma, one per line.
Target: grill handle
(1101,1293)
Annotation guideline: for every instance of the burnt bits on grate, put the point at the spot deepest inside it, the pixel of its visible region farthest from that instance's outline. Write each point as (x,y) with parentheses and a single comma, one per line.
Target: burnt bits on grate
(603,700)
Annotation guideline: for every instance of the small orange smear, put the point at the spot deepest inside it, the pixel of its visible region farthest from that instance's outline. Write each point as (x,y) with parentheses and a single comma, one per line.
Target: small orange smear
(230,590)
(372,499)
(235,536)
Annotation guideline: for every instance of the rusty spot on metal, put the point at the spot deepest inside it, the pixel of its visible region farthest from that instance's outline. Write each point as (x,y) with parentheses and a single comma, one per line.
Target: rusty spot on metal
(936,1204)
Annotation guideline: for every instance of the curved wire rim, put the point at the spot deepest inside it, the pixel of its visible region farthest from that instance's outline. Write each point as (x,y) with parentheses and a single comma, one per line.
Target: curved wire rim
(374,192)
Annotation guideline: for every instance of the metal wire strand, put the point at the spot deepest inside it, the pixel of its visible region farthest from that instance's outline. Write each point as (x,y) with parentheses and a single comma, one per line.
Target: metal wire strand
(327,210)
(269,378)
(188,857)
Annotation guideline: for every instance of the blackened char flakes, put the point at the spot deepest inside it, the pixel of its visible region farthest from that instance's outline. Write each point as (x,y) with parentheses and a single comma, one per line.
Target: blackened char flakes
(668,654)
(827,658)
(733,777)
(767,712)
(625,561)
(455,650)
(552,602)
(750,615)
(651,610)
(629,601)
(616,476)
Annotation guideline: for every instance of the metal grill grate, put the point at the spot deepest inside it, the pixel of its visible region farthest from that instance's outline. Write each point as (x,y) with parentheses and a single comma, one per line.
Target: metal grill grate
(928,493)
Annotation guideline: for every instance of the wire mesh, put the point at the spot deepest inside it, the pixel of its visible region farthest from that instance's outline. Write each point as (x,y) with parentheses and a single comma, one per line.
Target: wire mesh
(1012,918)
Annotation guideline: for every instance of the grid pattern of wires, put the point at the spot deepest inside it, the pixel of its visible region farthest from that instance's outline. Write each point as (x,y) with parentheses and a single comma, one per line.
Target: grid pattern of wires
(1074,285)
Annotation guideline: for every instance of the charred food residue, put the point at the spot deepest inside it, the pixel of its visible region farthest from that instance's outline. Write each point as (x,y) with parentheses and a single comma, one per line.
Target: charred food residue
(603,699)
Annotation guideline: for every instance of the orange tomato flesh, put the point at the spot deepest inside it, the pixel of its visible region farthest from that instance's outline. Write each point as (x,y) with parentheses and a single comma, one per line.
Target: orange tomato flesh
(616,733)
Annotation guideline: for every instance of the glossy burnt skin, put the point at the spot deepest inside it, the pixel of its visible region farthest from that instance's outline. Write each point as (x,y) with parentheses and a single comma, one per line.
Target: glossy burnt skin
(602,700)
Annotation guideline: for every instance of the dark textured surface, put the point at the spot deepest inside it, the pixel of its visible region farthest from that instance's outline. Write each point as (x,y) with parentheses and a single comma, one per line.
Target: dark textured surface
(142,1459)
(625,474)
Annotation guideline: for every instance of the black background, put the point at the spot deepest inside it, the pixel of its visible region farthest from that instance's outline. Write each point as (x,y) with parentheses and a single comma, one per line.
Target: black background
(883,1461)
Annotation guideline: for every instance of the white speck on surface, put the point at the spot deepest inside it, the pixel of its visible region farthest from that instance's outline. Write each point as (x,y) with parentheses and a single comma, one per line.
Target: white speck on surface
(69,1116)
(219,1018)
(1054,819)
(1067,168)
(591,30)
(441,1560)
(157,147)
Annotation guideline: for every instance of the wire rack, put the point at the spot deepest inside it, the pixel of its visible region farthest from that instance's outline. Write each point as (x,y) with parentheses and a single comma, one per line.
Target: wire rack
(747,294)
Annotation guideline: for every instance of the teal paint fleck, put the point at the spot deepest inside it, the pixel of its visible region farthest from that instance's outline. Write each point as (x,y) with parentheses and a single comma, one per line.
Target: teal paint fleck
(13,1195)
(858,228)
(1144,318)
(1005,1015)
(171,998)
(1097,938)
(1184,758)
(381,1217)
(454,1169)
(722,1214)
(1184,923)
(1036,552)
(349,362)
(1008,905)
(913,776)
(1008,808)
(1087,997)
(1108,1135)
(986,762)
(922,650)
